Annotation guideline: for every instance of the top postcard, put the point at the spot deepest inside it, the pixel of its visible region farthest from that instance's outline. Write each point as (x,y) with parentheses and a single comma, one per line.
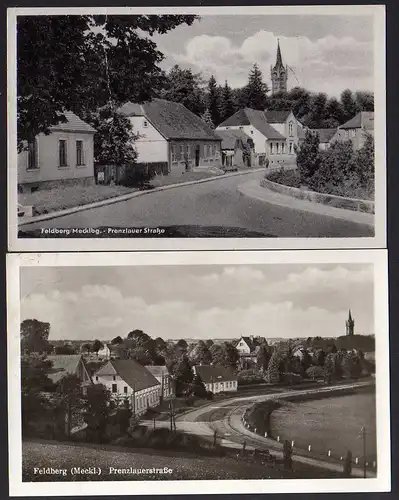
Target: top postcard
(196,128)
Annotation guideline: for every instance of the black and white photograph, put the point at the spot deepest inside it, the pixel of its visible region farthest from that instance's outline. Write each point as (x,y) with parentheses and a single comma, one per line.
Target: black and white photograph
(212,373)
(201,127)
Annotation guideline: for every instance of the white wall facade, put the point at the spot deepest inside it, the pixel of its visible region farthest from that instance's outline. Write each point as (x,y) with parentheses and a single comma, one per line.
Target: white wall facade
(242,347)
(48,167)
(151,146)
(146,398)
(226,386)
(253,133)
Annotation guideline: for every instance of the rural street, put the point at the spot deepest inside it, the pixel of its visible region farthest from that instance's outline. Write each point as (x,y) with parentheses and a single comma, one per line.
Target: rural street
(215,203)
(225,417)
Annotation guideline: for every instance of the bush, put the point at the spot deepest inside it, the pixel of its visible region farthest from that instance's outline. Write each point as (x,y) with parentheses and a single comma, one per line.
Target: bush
(315,372)
(290,178)
(292,378)
(251,376)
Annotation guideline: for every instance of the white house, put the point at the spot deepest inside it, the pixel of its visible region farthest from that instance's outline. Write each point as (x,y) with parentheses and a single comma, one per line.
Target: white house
(217,378)
(161,373)
(356,129)
(104,352)
(128,379)
(171,138)
(65,156)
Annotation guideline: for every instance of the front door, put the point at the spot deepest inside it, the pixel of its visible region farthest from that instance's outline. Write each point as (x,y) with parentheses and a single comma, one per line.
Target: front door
(197,156)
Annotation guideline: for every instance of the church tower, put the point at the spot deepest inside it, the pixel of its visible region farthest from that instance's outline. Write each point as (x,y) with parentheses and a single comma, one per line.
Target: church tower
(350,324)
(278,73)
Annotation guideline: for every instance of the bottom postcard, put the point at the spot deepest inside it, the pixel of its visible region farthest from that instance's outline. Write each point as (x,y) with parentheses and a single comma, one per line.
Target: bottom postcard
(198,372)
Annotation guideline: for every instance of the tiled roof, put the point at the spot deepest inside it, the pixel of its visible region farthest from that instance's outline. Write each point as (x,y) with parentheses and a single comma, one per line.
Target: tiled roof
(63,365)
(325,134)
(73,124)
(171,119)
(256,118)
(277,116)
(157,370)
(213,373)
(134,374)
(229,137)
(364,119)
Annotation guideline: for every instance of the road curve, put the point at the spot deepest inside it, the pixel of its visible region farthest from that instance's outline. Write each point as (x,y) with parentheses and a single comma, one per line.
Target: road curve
(226,419)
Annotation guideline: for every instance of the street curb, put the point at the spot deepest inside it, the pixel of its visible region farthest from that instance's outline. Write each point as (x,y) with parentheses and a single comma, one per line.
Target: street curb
(333,212)
(125,197)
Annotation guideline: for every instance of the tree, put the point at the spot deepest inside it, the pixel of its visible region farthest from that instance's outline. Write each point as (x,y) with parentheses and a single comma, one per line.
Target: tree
(364,101)
(182,345)
(348,104)
(160,344)
(351,365)
(209,343)
(34,336)
(320,357)
(184,377)
(275,368)
(96,411)
(213,101)
(217,354)
(123,415)
(198,388)
(227,107)
(84,62)
(315,372)
(64,349)
(96,346)
(308,157)
(200,354)
(138,338)
(117,340)
(262,358)
(207,118)
(334,113)
(183,86)
(230,355)
(364,165)
(86,347)
(254,94)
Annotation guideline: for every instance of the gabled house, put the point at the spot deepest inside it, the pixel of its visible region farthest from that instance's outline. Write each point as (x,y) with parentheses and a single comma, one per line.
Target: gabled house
(247,348)
(171,138)
(325,136)
(285,122)
(254,124)
(234,144)
(69,364)
(65,156)
(128,379)
(109,351)
(217,378)
(161,373)
(356,129)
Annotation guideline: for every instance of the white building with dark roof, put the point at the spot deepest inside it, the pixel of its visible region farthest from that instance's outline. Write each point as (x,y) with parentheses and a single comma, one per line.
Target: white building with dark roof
(65,156)
(128,379)
(356,129)
(217,378)
(171,137)
(161,373)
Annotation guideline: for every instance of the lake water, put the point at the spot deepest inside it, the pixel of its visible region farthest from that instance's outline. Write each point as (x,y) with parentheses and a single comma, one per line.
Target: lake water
(332,423)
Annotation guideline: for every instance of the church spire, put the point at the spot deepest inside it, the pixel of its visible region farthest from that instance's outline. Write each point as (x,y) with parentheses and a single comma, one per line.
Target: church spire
(279,59)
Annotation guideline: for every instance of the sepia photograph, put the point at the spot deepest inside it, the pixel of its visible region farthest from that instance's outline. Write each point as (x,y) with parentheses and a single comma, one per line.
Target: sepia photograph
(184,373)
(207,127)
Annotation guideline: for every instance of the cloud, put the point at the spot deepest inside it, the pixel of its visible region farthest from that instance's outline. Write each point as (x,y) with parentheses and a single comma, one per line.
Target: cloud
(345,61)
(223,302)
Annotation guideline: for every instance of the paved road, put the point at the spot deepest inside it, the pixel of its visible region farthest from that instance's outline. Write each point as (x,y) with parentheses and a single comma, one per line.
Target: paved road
(225,418)
(215,203)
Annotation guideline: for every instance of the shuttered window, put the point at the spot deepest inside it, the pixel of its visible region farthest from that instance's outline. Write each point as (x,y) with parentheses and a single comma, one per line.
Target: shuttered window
(62,152)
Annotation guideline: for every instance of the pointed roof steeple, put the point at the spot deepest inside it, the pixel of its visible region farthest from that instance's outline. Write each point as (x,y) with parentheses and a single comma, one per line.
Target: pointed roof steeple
(279,59)
(350,316)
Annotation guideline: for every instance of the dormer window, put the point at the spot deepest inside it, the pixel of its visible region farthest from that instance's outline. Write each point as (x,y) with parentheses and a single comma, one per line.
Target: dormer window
(145,123)
(290,129)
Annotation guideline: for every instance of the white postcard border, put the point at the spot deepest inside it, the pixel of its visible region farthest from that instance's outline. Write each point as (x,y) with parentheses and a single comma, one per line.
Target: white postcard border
(164,243)
(378,258)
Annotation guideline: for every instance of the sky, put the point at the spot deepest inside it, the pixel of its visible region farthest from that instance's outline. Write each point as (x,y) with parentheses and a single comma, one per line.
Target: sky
(173,302)
(327,53)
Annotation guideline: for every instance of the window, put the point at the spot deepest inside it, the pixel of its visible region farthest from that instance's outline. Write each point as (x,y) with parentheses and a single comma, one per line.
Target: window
(353,132)
(205,151)
(283,148)
(290,129)
(188,151)
(174,159)
(214,150)
(181,152)
(346,134)
(62,152)
(277,148)
(290,148)
(271,148)
(125,389)
(145,124)
(32,155)
(114,378)
(114,388)
(96,379)
(80,160)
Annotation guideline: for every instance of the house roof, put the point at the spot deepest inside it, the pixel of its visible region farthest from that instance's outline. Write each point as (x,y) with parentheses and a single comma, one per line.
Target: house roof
(256,118)
(229,137)
(157,370)
(134,374)
(364,119)
(277,116)
(325,134)
(63,365)
(251,344)
(214,373)
(171,119)
(73,124)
